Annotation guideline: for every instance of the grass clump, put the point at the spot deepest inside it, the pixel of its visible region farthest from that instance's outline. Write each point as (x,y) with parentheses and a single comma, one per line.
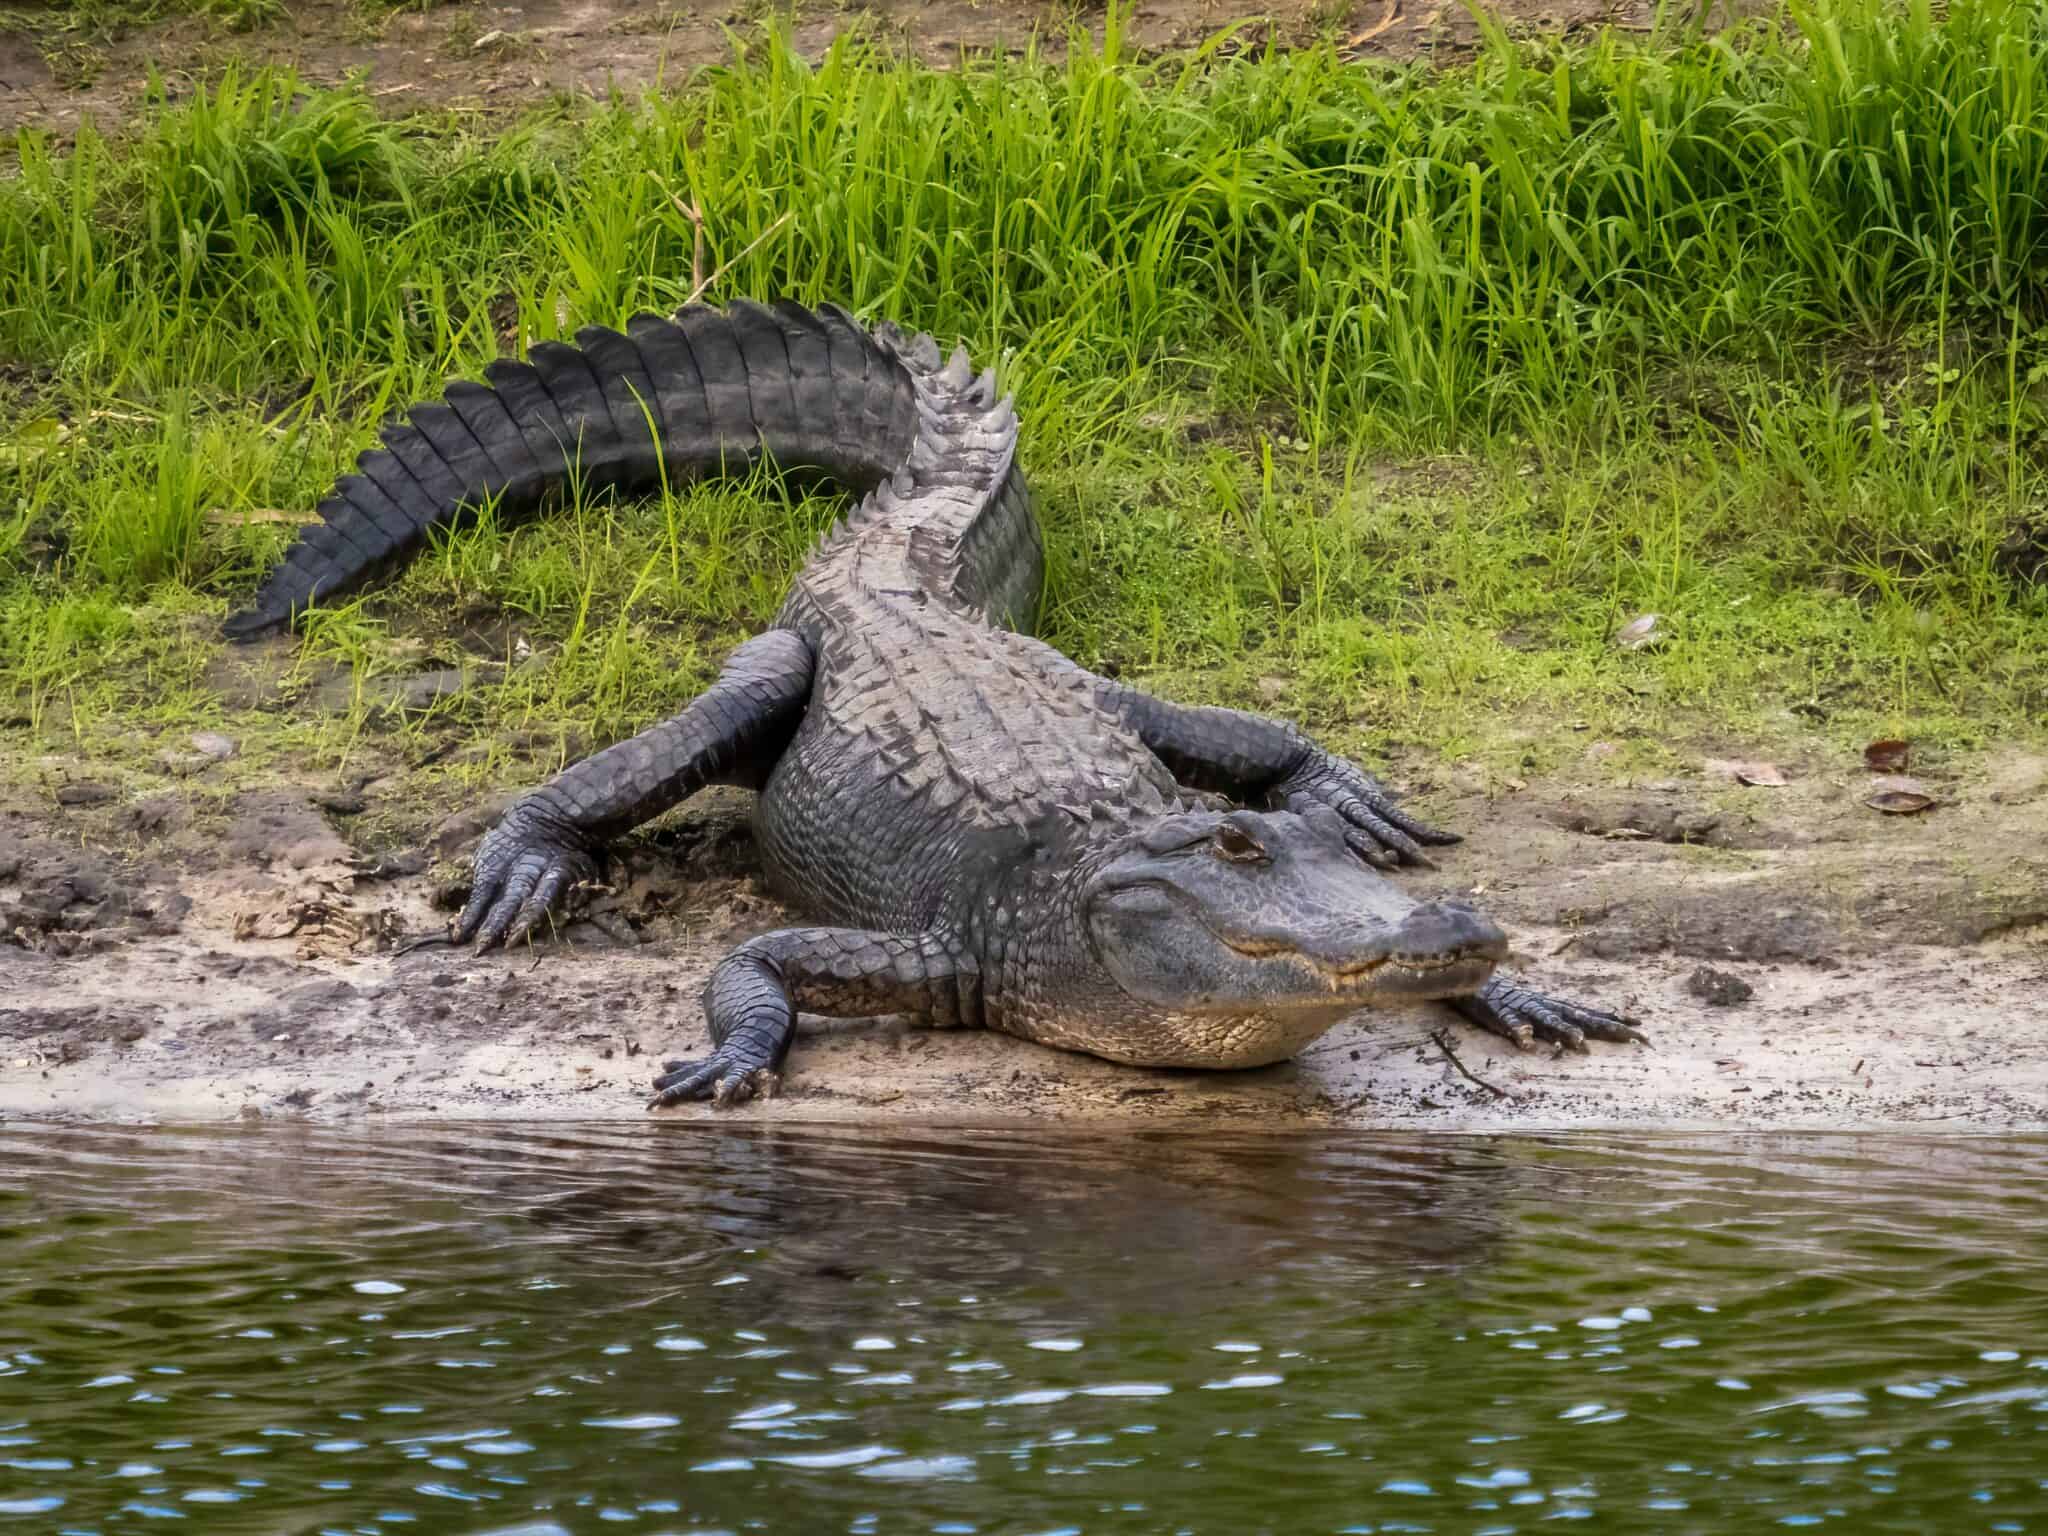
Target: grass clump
(1383,392)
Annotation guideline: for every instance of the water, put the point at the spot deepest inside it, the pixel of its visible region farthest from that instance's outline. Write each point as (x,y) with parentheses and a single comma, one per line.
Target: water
(684,1328)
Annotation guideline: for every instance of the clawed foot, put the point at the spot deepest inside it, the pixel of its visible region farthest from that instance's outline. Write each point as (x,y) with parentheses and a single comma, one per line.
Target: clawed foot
(724,1077)
(1376,829)
(1524,1016)
(527,867)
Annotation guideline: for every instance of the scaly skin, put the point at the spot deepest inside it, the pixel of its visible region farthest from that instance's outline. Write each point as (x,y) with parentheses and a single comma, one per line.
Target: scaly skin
(995,836)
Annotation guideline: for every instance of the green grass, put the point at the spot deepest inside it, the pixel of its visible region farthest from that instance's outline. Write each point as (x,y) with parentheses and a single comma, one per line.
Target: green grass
(1379,396)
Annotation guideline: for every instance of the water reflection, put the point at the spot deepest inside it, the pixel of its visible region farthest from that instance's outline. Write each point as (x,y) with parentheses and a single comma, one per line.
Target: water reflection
(679,1327)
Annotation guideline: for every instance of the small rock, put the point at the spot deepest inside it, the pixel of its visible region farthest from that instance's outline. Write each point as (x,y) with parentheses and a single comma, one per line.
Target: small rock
(1717,988)
(425,689)
(157,815)
(84,792)
(398,866)
(214,745)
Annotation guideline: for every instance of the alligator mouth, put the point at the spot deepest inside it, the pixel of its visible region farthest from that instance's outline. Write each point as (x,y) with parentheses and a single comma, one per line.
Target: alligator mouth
(1409,967)
(1416,974)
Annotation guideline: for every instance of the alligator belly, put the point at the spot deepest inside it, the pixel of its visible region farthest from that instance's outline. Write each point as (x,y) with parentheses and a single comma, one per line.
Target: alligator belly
(1220,1042)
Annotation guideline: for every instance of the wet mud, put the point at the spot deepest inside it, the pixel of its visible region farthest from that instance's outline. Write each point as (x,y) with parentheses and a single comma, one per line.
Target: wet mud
(227,943)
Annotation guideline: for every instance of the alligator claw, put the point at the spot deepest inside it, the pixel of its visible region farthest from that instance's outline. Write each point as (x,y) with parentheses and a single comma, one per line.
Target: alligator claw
(1375,828)
(724,1080)
(1525,1016)
(526,868)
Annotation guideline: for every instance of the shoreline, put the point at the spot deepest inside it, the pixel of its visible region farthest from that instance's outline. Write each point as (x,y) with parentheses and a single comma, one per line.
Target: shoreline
(270,990)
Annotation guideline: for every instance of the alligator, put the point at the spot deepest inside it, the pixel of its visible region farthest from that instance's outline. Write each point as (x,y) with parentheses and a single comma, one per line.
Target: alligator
(984,832)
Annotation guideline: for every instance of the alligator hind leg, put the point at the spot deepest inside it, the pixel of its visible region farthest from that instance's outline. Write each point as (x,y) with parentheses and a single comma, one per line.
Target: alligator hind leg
(754,995)
(549,841)
(1519,1014)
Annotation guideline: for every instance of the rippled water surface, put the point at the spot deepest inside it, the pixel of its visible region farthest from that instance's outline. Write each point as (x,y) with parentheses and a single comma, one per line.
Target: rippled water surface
(692,1328)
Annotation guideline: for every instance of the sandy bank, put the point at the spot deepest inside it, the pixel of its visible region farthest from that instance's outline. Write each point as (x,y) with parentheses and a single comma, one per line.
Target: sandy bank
(201,953)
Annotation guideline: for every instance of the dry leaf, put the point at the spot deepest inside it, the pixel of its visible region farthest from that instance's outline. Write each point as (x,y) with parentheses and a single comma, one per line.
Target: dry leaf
(1761,775)
(33,438)
(1887,756)
(244,516)
(1639,633)
(1899,797)
(279,922)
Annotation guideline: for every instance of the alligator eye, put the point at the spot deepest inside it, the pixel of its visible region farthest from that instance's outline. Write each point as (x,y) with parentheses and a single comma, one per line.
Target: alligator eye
(1238,845)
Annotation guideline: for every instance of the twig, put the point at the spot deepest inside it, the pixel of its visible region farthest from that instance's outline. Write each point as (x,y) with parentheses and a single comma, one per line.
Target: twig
(248,516)
(695,215)
(698,286)
(1360,39)
(1443,1043)
(424,940)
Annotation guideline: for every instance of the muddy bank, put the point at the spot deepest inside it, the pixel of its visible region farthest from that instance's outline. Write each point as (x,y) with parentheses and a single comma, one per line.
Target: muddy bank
(191,939)
(58,68)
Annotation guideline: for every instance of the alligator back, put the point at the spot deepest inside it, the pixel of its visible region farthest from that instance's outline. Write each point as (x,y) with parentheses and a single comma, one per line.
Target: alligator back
(710,392)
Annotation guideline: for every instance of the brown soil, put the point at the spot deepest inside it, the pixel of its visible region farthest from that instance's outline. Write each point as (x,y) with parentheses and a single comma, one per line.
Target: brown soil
(494,57)
(197,939)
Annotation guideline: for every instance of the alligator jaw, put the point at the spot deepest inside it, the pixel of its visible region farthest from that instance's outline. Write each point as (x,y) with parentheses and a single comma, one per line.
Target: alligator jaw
(1429,968)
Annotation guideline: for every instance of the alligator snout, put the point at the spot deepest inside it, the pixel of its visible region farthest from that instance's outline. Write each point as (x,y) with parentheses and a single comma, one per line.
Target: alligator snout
(1434,939)
(1448,928)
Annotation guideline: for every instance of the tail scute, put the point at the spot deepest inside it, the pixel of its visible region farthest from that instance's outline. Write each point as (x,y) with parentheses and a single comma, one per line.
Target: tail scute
(764,355)
(718,388)
(454,444)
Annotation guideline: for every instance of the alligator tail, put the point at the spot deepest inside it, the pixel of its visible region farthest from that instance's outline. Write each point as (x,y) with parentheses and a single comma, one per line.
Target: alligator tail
(710,391)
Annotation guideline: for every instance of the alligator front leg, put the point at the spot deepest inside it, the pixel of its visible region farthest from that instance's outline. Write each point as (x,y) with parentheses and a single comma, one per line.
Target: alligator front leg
(549,842)
(1257,759)
(1504,1007)
(752,1000)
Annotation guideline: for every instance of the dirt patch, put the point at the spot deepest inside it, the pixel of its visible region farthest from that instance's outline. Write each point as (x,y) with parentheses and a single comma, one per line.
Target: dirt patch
(228,942)
(498,57)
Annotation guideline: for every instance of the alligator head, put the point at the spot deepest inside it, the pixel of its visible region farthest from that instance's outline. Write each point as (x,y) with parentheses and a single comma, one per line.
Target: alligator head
(1233,938)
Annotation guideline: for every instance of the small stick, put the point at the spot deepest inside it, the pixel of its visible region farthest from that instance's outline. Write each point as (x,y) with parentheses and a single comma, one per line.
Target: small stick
(1443,1043)
(691,212)
(1360,39)
(424,940)
(698,286)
